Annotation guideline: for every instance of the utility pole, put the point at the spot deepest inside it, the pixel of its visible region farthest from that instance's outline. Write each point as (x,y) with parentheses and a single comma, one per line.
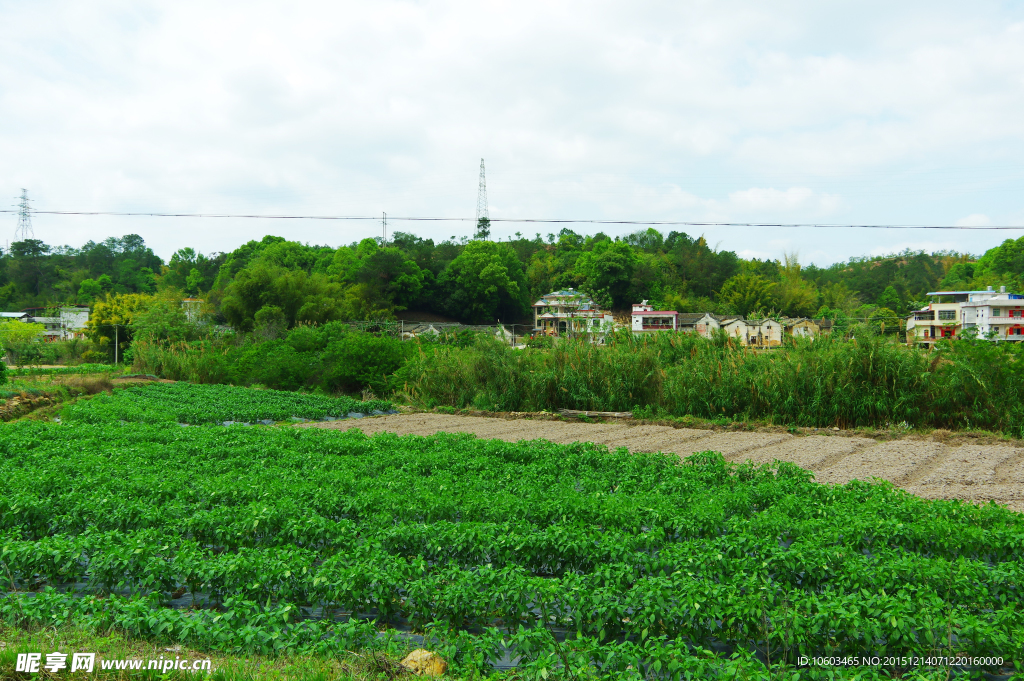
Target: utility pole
(24,230)
(384,228)
(115,344)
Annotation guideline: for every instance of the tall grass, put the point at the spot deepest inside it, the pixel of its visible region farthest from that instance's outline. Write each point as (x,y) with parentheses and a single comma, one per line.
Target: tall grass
(870,381)
(196,362)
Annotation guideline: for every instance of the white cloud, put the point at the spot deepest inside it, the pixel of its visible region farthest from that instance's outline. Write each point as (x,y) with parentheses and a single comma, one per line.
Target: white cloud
(663,110)
(763,201)
(974,220)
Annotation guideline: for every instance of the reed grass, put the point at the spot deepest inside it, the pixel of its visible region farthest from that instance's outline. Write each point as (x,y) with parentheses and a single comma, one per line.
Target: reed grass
(871,381)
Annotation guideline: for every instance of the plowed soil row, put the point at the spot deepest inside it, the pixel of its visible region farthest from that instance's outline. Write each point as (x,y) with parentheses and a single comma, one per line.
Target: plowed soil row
(932,470)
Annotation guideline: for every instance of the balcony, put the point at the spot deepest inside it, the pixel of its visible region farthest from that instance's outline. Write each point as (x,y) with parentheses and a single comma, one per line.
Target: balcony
(1006,320)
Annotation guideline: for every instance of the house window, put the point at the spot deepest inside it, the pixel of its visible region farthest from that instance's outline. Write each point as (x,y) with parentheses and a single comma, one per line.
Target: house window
(947,314)
(995,311)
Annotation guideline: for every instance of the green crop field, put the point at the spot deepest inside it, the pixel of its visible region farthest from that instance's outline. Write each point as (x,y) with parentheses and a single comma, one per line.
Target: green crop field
(197,404)
(562,560)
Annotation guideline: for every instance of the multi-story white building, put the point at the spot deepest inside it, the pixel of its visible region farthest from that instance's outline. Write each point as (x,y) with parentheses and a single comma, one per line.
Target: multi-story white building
(952,312)
(569,312)
(999,314)
(70,323)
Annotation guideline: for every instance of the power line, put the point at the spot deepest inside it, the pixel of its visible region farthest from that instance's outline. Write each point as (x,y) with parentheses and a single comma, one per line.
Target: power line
(652,223)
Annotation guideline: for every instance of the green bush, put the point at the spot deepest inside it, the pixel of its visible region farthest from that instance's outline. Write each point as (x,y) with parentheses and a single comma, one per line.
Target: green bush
(362,360)
(331,357)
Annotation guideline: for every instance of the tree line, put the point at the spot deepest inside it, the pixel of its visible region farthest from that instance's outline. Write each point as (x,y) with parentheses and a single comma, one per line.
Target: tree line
(282,283)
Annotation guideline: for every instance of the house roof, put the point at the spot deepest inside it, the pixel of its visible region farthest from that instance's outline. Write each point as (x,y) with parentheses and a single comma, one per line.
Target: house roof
(14,315)
(643,312)
(693,316)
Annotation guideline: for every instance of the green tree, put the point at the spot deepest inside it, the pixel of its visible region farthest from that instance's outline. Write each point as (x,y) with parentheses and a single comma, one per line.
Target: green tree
(885,320)
(747,293)
(18,339)
(484,283)
(194,281)
(609,267)
(890,299)
(112,319)
(164,320)
(483,229)
(89,290)
(838,296)
(796,296)
(302,297)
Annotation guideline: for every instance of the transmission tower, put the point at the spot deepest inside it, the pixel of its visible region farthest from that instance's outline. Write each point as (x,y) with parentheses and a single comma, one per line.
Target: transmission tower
(483,218)
(24,230)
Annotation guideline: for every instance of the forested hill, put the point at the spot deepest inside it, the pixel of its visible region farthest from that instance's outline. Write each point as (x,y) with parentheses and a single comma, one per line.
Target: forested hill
(480,281)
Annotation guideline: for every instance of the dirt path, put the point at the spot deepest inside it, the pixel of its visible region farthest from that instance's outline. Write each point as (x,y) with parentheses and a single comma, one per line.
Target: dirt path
(928,469)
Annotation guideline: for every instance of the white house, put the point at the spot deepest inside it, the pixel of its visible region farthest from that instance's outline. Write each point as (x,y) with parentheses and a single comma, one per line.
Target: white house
(1000,312)
(69,323)
(569,312)
(950,312)
(646,318)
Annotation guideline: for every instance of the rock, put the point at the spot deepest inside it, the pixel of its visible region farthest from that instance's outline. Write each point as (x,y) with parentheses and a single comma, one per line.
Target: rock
(425,663)
(376,412)
(355,415)
(392,411)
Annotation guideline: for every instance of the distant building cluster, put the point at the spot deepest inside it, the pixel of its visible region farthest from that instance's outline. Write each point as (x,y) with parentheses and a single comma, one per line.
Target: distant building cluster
(996,315)
(759,332)
(69,323)
(570,312)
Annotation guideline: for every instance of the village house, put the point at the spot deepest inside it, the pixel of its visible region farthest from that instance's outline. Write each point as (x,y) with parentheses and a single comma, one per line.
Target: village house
(760,333)
(193,308)
(569,312)
(999,314)
(801,327)
(69,323)
(951,312)
(702,323)
(646,318)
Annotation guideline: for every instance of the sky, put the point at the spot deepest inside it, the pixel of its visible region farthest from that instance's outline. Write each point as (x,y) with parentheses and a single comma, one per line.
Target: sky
(720,111)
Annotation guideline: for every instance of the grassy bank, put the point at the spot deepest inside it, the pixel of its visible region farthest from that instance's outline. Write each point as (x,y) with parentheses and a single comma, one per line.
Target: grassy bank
(116,645)
(865,382)
(869,382)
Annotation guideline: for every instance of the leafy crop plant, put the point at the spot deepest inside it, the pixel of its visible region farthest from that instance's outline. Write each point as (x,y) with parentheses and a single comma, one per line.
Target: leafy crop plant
(564,560)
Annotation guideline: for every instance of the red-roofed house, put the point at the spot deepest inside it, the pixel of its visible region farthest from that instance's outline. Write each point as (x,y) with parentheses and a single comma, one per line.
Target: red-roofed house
(646,318)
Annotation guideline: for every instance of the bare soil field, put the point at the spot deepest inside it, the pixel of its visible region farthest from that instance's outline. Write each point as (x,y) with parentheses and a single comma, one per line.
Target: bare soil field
(932,470)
